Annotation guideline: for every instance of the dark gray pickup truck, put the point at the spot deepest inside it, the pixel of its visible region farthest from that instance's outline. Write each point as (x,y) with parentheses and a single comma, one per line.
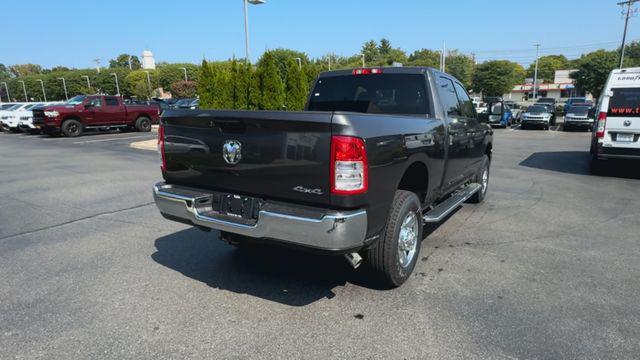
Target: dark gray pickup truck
(377,153)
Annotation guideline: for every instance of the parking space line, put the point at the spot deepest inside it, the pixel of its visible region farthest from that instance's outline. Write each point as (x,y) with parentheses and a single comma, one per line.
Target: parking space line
(513,128)
(114,139)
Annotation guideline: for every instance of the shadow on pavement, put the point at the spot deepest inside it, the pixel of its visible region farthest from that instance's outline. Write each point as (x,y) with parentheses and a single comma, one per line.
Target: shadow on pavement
(579,163)
(275,273)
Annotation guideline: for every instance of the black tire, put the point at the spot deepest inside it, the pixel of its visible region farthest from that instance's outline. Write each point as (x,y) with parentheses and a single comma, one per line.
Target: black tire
(479,178)
(143,124)
(71,128)
(384,256)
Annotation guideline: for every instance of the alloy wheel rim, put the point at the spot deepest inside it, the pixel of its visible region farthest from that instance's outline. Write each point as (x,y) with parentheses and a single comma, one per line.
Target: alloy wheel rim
(408,239)
(485,180)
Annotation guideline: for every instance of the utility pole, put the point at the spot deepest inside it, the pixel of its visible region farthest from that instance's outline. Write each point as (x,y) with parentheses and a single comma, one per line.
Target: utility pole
(627,15)
(535,73)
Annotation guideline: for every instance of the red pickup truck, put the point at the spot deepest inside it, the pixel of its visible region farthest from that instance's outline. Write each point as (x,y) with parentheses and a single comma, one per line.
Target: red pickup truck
(103,112)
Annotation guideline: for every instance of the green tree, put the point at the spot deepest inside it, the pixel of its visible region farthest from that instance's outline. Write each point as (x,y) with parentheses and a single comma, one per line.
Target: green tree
(223,94)
(271,95)
(296,87)
(632,54)
(425,57)
(122,61)
(371,51)
(184,89)
(547,66)
(594,69)
(139,86)
(205,86)
(497,77)
(25,69)
(461,66)
(170,73)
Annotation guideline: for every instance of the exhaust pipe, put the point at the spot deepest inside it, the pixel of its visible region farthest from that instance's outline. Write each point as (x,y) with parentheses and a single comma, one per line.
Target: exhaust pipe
(354,259)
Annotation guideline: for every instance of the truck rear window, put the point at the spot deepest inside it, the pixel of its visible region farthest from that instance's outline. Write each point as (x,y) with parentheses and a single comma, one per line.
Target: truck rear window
(624,102)
(374,94)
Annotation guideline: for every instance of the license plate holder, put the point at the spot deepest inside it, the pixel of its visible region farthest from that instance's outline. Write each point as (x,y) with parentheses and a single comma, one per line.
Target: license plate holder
(241,207)
(623,137)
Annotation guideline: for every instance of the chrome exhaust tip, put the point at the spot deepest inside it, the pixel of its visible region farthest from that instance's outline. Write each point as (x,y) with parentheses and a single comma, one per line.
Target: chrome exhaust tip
(354,259)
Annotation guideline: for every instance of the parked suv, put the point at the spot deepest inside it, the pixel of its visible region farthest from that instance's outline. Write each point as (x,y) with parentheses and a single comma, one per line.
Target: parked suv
(617,129)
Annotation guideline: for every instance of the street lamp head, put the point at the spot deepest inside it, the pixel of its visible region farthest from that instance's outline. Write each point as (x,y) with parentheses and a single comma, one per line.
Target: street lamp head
(255,2)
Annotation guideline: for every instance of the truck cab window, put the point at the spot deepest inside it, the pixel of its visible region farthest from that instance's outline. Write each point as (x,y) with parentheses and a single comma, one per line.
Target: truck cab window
(448,97)
(404,94)
(111,101)
(95,102)
(466,105)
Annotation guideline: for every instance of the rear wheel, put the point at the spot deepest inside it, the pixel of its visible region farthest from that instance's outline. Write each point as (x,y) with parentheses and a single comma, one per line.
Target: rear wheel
(395,254)
(143,124)
(72,128)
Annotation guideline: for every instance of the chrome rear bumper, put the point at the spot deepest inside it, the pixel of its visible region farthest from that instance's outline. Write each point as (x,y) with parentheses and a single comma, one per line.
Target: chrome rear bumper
(329,230)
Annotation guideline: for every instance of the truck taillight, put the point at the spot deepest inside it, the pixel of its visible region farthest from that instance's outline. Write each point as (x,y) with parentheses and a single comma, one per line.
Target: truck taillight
(349,166)
(602,121)
(161,147)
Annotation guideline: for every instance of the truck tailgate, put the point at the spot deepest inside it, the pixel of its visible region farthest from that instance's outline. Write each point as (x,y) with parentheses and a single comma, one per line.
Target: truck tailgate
(269,154)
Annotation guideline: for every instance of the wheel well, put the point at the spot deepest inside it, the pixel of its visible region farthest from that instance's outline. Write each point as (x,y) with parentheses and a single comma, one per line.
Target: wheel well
(71,118)
(416,180)
(143,116)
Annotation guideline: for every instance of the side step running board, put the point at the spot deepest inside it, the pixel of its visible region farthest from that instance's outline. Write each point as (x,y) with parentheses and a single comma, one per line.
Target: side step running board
(446,207)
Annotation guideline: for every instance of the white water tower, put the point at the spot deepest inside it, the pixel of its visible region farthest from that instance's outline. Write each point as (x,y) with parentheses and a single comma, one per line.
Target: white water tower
(148,62)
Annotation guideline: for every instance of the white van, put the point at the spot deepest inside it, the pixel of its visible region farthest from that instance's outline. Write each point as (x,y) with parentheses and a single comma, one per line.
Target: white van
(617,128)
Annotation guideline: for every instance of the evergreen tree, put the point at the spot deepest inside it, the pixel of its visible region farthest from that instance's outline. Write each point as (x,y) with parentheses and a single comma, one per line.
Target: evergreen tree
(206,86)
(296,87)
(271,88)
(222,89)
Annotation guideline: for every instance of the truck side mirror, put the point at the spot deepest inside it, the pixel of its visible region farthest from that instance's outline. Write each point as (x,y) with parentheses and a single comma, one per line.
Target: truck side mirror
(88,105)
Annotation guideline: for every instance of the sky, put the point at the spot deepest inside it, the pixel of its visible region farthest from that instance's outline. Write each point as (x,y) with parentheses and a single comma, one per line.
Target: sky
(72,32)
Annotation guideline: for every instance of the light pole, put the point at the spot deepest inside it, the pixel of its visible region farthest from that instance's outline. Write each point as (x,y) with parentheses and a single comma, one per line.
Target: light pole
(130,68)
(185,73)
(7,88)
(535,73)
(26,99)
(88,81)
(362,55)
(148,82)
(117,85)
(246,25)
(44,93)
(299,63)
(64,85)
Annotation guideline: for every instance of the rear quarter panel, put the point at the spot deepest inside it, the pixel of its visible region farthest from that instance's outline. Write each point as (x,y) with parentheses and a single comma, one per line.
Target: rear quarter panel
(393,144)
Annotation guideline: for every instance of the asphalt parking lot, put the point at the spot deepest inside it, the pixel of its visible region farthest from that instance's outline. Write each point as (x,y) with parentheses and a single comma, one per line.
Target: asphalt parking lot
(547,267)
